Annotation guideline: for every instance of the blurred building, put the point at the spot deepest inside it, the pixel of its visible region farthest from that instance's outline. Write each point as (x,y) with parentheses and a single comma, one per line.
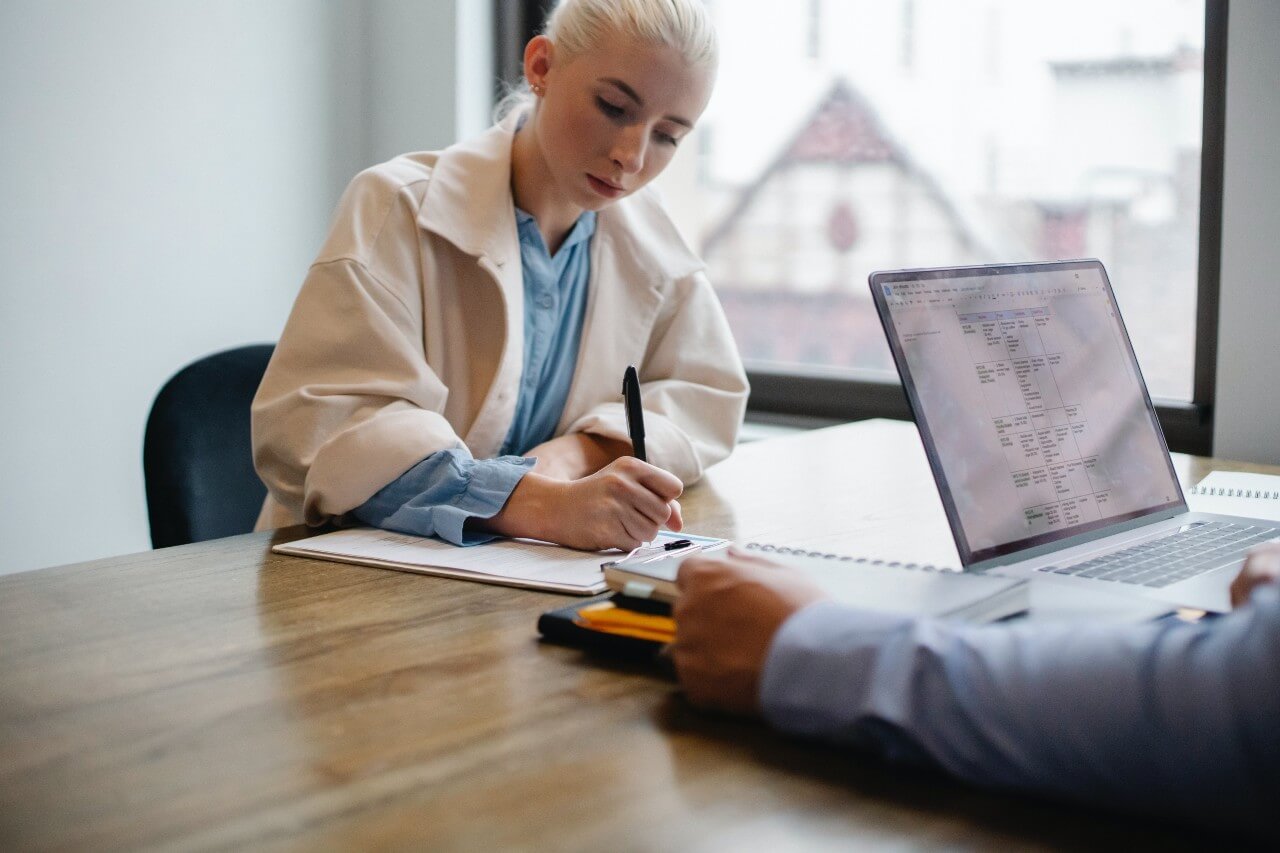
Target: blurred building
(790,256)
(1112,172)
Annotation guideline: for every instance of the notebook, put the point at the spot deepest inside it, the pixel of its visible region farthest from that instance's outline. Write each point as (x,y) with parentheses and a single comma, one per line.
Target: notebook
(1235,493)
(885,586)
(508,562)
(1042,438)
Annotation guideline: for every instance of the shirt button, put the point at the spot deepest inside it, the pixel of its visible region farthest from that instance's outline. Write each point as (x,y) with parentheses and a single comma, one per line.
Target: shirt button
(545,301)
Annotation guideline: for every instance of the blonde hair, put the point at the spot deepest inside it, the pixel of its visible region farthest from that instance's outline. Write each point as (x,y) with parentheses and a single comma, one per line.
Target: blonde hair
(577,26)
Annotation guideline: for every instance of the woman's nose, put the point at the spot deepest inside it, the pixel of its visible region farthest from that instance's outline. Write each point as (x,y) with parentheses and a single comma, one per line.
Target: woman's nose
(629,149)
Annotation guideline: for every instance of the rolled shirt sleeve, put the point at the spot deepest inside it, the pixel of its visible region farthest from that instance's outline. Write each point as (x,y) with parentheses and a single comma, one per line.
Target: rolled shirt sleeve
(1165,718)
(438,495)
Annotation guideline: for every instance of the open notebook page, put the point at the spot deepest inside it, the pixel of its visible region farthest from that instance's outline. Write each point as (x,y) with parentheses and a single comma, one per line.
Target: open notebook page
(511,562)
(1235,493)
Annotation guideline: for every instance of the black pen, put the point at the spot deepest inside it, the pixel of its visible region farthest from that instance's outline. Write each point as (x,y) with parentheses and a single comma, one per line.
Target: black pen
(635,412)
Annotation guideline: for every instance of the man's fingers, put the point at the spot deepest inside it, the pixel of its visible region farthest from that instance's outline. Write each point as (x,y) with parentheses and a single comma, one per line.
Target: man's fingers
(753,558)
(735,563)
(1260,567)
(694,568)
(1264,559)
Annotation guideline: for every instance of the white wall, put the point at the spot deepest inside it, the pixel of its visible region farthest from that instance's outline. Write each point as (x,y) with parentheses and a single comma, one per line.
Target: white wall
(1247,411)
(167,171)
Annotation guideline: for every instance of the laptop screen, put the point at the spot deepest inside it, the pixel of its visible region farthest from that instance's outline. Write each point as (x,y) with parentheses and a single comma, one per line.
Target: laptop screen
(1029,401)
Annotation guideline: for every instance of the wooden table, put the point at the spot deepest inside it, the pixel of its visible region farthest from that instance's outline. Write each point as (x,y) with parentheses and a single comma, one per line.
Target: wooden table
(218,696)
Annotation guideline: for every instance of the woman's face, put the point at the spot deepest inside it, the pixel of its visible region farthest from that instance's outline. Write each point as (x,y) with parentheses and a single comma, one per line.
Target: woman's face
(610,119)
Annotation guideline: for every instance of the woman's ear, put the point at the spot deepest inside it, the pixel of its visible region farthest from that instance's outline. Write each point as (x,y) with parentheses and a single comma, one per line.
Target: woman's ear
(539,54)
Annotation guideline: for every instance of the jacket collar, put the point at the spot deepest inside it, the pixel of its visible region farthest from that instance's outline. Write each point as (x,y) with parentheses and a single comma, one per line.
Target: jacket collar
(469,203)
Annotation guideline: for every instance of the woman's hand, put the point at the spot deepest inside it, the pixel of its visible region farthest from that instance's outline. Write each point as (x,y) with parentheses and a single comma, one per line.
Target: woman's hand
(622,505)
(1261,566)
(726,617)
(577,455)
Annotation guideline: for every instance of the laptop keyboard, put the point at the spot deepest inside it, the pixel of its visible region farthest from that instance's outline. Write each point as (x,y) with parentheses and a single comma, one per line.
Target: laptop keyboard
(1198,548)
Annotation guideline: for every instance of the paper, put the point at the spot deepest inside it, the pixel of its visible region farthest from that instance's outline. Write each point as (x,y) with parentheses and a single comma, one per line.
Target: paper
(669,546)
(1234,493)
(511,562)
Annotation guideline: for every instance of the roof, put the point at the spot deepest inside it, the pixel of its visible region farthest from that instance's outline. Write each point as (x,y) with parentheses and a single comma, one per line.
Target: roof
(844,129)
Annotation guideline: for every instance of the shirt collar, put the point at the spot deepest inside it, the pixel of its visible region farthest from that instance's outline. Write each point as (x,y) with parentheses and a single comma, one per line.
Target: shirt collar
(581,231)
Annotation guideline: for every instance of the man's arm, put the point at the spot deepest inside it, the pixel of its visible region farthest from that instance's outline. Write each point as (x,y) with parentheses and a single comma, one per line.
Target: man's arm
(1167,717)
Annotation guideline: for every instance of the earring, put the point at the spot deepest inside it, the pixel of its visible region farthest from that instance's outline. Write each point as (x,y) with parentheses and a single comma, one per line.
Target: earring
(538,89)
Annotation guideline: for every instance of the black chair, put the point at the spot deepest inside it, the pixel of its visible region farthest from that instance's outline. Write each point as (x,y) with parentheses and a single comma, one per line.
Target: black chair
(196,457)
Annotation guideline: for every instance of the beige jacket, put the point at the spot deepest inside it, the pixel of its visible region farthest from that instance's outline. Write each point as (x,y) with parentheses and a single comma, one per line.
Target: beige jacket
(407,337)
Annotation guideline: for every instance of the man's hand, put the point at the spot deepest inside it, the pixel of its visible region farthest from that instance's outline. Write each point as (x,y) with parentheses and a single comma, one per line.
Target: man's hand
(621,506)
(577,455)
(1261,566)
(726,616)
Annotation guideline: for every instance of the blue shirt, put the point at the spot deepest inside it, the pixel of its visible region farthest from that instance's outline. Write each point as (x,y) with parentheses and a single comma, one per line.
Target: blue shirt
(439,494)
(1167,718)
(555,304)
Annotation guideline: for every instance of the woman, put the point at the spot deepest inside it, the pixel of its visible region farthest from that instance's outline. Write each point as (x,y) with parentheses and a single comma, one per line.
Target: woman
(453,362)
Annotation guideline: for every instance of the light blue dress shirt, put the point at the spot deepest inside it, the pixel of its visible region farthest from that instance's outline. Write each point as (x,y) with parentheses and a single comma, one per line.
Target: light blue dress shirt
(439,494)
(1166,718)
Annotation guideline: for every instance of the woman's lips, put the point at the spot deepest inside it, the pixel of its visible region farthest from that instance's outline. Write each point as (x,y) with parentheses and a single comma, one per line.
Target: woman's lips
(604,188)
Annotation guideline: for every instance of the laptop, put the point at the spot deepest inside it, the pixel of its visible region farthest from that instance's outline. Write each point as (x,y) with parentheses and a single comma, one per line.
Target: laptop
(1042,437)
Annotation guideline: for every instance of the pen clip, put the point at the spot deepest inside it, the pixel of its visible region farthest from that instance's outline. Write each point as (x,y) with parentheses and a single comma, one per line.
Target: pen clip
(691,548)
(651,553)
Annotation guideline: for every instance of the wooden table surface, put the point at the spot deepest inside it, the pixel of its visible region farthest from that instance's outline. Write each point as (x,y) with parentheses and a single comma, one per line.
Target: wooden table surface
(217,696)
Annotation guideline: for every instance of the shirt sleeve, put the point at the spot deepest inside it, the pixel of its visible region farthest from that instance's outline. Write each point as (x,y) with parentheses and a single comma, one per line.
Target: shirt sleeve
(1166,718)
(438,495)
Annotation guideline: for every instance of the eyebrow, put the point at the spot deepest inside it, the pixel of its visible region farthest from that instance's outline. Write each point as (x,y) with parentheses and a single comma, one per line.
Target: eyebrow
(635,96)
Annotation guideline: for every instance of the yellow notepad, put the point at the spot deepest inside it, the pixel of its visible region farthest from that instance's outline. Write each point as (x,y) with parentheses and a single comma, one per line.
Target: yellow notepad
(608,617)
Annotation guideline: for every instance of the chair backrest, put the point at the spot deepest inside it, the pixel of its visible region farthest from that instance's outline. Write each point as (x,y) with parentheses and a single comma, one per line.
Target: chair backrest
(197,458)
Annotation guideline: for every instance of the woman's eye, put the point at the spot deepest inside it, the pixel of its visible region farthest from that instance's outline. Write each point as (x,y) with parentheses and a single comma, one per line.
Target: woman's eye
(666,138)
(611,110)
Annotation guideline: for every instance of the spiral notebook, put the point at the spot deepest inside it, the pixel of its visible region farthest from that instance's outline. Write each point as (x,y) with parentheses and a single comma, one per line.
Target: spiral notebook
(880,585)
(1234,493)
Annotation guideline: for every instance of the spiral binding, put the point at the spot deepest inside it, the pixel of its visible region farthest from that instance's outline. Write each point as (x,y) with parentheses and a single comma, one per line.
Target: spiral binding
(843,558)
(1224,492)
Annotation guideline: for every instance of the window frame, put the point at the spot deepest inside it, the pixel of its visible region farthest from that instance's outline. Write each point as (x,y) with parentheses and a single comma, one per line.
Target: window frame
(804,396)
(514,23)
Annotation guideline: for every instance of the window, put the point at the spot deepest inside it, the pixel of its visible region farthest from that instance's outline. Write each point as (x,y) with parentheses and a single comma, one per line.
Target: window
(851,135)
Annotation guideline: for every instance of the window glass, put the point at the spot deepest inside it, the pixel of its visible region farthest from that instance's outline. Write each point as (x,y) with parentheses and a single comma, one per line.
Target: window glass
(847,136)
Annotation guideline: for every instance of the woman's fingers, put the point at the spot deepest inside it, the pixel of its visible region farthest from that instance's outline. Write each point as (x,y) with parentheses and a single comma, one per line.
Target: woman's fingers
(675,521)
(622,505)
